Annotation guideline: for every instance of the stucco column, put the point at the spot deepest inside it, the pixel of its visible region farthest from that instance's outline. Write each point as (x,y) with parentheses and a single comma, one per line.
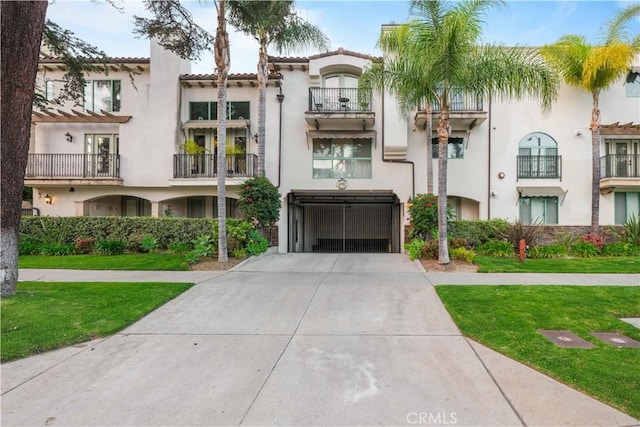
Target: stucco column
(155,209)
(82,208)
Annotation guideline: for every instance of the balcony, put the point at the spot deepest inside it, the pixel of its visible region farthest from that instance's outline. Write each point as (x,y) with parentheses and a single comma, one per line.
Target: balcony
(540,167)
(206,166)
(331,107)
(465,112)
(72,169)
(620,171)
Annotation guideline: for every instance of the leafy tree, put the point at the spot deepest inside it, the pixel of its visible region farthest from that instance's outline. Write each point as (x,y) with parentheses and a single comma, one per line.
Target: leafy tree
(260,201)
(176,31)
(438,53)
(272,22)
(594,68)
(22,34)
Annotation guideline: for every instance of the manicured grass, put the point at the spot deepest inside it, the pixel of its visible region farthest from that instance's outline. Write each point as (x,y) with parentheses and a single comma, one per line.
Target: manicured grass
(155,261)
(43,316)
(570,265)
(506,318)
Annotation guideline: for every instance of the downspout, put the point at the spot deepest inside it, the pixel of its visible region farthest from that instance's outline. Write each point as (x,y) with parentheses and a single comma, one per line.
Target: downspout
(489,164)
(413,166)
(280,97)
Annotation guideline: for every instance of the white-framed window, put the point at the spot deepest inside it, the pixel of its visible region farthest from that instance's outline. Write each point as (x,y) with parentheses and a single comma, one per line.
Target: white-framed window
(48,90)
(340,81)
(455,148)
(633,84)
(341,158)
(542,210)
(208,110)
(102,154)
(102,95)
(626,204)
(538,156)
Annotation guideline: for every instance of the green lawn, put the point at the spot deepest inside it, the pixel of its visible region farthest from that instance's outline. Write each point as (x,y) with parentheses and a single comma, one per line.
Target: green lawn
(506,318)
(570,265)
(43,316)
(155,261)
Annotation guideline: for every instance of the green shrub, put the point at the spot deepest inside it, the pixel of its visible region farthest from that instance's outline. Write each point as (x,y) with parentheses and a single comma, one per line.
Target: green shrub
(496,248)
(620,249)
(259,202)
(84,245)
(256,243)
(516,231)
(547,252)
(238,232)
(27,246)
(630,232)
(149,244)
(109,247)
(477,232)
(57,249)
(463,254)
(239,253)
(415,248)
(423,216)
(566,240)
(179,247)
(584,250)
(432,251)
(203,246)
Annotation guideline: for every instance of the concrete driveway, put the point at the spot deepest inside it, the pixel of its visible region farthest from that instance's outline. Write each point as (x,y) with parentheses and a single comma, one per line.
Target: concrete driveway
(294,339)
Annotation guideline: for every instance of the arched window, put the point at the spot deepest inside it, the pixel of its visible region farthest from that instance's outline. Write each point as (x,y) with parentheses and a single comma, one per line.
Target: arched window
(340,81)
(538,157)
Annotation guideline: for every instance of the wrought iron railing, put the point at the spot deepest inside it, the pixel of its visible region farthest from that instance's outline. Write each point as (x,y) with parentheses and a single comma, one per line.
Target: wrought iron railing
(539,166)
(620,166)
(206,165)
(333,100)
(65,165)
(459,101)
(30,212)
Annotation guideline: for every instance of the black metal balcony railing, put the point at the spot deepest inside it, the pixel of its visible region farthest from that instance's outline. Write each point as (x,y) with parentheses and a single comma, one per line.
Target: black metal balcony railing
(539,166)
(206,165)
(620,166)
(459,101)
(332,100)
(58,165)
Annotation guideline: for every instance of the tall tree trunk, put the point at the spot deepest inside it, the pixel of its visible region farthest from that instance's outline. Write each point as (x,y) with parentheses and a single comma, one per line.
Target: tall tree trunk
(262,99)
(21,32)
(443,142)
(429,130)
(595,164)
(222,63)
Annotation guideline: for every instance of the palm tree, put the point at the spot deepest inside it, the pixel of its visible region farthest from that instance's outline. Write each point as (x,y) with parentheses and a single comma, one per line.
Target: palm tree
(594,68)
(272,22)
(441,48)
(222,57)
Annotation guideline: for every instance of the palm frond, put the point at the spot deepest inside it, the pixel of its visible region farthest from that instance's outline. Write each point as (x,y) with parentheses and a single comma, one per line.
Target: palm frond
(614,30)
(567,57)
(606,64)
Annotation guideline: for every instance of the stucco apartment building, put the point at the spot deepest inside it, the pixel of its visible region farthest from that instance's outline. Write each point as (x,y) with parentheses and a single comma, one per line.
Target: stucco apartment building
(345,162)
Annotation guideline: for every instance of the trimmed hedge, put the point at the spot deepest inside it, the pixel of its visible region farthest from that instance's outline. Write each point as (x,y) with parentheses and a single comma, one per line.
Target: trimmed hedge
(66,230)
(477,232)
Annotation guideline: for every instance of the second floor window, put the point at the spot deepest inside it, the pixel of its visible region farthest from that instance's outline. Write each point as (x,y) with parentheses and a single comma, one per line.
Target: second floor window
(538,157)
(48,90)
(455,148)
(341,158)
(102,95)
(236,110)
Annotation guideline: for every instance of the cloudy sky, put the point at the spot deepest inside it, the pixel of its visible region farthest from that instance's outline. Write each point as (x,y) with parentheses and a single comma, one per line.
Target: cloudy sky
(353,25)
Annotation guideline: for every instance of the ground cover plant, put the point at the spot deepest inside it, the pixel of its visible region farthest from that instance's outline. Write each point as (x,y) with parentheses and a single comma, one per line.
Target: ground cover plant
(627,264)
(43,316)
(146,262)
(506,319)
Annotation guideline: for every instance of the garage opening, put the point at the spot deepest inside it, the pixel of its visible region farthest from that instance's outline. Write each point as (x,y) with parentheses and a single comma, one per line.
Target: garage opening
(344,222)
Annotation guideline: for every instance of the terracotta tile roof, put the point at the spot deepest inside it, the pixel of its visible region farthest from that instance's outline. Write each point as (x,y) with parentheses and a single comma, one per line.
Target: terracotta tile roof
(288,59)
(342,51)
(120,60)
(301,59)
(233,76)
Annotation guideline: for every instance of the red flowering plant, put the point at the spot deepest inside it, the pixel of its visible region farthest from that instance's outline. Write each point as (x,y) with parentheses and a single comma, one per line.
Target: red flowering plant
(260,202)
(423,216)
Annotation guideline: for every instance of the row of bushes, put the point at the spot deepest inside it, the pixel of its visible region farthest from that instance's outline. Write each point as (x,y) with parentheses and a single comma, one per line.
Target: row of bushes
(115,235)
(583,249)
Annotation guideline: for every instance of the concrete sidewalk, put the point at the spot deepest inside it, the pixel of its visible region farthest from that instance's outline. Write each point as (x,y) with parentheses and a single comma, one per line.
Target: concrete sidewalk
(293,339)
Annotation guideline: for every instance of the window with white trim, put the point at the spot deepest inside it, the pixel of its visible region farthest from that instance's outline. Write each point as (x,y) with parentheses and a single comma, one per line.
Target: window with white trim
(626,204)
(102,95)
(455,148)
(543,210)
(341,158)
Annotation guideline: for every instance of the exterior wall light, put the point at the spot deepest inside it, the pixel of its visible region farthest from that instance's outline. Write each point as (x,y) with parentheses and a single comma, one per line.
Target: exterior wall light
(48,199)
(69,137)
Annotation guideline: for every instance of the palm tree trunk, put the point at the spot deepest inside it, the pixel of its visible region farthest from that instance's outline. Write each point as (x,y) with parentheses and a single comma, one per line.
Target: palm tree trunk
(595,164)
(443,142)
(262,99)
(429,130)
(22,26)
(222,62)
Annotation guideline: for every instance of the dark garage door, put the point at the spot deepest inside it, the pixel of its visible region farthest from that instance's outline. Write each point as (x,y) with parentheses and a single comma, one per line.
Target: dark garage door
(343,223)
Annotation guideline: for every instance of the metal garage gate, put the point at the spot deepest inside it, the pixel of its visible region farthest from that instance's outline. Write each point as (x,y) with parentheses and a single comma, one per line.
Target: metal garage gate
(344,223)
